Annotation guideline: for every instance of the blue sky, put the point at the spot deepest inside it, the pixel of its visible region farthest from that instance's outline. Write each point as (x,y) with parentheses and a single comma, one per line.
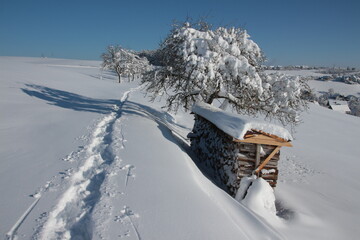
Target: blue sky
(316,32)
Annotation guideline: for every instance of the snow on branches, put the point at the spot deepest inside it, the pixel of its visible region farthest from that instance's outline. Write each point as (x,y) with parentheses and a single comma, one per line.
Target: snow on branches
(283,97)
(124,62)
(202,64)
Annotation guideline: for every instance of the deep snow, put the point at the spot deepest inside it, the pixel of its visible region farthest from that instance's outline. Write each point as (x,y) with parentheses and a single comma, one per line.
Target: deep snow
(87,157)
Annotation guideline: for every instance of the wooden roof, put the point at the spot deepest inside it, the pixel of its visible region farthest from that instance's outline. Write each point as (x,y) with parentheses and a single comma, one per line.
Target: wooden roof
(259,137)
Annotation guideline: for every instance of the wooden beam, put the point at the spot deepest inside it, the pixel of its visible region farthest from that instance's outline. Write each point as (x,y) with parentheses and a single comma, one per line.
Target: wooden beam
(263,139)
(257,159)
(262,165)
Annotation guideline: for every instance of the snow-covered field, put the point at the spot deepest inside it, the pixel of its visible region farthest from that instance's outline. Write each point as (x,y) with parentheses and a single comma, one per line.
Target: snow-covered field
(84,157)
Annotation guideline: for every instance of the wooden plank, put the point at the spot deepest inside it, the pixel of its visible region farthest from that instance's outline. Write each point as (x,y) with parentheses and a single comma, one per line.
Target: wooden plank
(272,177)
(273,160)
(247,168)
(262,139)
(268,175)
(272,165)
(257,156)
(245,158)
(247,147)
(258,169)
(247,165)
(251,148)
(252,156)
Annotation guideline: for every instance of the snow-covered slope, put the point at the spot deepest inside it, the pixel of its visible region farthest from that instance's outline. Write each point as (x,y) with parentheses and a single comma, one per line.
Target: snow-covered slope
(48,107)
(85,157)
(318,176)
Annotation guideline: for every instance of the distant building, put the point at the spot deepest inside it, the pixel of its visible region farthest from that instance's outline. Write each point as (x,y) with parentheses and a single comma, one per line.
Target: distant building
(325,78)
(339,106)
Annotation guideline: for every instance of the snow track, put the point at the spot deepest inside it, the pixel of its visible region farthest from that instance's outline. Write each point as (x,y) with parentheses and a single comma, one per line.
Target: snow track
(71,217)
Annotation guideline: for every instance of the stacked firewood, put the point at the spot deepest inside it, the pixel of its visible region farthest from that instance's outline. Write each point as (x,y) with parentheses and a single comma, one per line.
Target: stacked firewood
(231,160)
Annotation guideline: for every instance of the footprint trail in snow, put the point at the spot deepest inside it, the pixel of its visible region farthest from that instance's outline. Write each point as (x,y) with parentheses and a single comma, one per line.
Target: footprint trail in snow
(72,215)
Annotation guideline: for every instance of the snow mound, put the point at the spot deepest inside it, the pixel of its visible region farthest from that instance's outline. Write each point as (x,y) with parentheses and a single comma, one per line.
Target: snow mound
(244,185)
(235,125)
(260,198)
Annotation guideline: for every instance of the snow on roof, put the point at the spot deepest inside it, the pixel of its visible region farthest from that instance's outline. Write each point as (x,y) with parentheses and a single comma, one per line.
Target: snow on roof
(235,125)
(339,106)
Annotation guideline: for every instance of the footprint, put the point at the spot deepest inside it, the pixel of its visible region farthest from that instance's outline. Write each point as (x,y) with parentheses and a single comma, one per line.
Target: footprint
(42,215)
(66,174)
(73,155)
(126,234)
(129,214)
(119,219)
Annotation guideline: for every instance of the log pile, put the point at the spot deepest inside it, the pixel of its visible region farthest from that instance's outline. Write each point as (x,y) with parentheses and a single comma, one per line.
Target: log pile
(231,159)
(247,161)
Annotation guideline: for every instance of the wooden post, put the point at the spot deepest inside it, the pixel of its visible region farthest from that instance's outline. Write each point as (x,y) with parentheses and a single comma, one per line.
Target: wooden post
(257,159)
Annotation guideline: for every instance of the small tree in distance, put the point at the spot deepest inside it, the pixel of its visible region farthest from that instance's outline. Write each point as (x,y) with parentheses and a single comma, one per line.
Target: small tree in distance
(200,64)
(124,62)
(111,60)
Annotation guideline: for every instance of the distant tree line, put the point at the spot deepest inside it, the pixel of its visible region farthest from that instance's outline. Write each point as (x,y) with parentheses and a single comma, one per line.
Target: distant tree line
(324,70)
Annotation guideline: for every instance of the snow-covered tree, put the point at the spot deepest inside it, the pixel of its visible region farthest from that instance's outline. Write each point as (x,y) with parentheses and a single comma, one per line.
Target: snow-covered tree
(151,55)
(136,65)
(283,97)
(198,63)
(354,105)
(124,62)
(111,60)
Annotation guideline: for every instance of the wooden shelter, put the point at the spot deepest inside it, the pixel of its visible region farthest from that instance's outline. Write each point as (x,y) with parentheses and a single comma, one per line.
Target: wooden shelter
(261,153)
(236,147)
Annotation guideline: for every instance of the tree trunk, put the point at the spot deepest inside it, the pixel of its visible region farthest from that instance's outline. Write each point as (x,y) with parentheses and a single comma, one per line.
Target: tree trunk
(118,73)
(212,97)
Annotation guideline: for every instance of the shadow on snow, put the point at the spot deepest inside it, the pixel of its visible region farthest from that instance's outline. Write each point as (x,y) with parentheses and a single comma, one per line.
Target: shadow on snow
(166,125)
(70,100)
(166,122)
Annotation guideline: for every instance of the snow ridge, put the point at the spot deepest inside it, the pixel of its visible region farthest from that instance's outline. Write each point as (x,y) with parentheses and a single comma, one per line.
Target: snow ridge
(71,217)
